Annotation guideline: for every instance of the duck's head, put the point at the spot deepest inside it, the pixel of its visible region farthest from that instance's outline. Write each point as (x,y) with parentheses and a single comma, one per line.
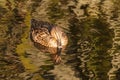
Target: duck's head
(60,43)
(57,57)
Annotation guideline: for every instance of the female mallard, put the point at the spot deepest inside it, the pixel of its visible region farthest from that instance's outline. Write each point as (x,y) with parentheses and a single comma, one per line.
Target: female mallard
(48,38)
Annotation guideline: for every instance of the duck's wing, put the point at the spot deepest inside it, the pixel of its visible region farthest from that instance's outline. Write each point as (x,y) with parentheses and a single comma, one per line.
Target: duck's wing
(64,40)
(43,37)
(58,33)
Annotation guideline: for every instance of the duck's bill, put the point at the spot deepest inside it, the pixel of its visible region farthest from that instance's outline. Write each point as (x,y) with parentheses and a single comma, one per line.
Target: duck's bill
(57,59)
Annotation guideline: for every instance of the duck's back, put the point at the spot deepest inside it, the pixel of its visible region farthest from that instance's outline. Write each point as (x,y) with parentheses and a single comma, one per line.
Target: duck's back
(41,36)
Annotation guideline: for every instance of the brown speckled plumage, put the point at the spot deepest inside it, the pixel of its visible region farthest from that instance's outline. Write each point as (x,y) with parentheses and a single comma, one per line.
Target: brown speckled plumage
(48,38)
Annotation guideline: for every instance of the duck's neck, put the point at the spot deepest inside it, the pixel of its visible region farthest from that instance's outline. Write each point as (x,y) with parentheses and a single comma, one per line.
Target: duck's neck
(59,47)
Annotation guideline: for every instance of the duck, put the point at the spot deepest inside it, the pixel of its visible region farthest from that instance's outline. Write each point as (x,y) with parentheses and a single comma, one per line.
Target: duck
(48,38)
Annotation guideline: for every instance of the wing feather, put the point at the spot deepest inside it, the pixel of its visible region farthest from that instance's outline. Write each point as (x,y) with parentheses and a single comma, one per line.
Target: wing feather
(58,33)
(43,37)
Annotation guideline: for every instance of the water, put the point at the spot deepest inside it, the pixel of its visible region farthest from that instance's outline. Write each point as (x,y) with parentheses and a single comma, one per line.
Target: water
(86,57)
(86,54)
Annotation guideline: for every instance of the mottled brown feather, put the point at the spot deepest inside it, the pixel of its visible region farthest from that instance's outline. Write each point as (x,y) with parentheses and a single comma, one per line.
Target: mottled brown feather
(48,38)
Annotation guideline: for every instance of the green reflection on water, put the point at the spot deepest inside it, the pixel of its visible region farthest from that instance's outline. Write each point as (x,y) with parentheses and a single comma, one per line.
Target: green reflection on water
(97,33)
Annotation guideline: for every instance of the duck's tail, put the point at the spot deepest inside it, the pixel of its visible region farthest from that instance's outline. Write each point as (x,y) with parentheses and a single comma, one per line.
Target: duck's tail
(35,24)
